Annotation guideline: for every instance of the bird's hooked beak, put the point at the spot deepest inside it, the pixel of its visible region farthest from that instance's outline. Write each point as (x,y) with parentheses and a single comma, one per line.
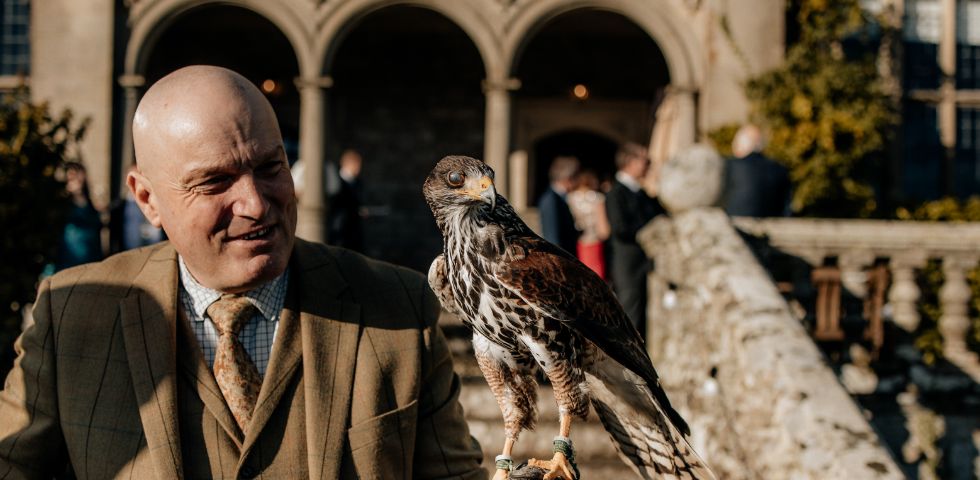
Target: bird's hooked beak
(487,192)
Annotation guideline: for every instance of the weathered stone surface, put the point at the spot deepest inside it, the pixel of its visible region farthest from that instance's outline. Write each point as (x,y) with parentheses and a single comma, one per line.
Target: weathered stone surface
(692,178)
(754,387)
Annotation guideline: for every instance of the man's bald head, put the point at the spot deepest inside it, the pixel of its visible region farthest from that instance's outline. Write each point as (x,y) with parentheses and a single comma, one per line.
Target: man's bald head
(194,101)
(212,172)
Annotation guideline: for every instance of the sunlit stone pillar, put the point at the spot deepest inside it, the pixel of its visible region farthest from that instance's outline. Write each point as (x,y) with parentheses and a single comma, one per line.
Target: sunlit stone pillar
(686,130)
(904,293)
(131,84)
(954,297)
(311,146)
(496,136)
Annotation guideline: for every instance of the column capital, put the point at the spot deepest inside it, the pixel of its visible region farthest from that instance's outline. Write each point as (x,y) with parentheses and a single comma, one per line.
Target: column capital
(509,84)
(131,80)
(323,82)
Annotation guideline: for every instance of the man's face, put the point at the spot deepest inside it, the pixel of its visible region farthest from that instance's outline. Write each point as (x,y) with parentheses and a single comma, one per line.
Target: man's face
(638,167)
(224,195)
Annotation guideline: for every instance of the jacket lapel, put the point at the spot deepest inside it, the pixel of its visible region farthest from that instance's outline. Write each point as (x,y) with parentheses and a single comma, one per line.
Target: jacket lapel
(192,364)
(148,316)
(286,355)
(319,328)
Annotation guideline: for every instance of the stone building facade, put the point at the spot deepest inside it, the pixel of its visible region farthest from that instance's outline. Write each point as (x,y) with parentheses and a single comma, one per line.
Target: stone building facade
(406,82)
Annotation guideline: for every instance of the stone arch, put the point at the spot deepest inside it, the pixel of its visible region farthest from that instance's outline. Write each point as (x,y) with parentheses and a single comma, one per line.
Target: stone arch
(656,17)
(335,22)
(153,20)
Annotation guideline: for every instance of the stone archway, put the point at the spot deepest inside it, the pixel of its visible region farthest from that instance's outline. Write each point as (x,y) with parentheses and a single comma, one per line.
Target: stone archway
(588,70)
(406,91)
(238,39)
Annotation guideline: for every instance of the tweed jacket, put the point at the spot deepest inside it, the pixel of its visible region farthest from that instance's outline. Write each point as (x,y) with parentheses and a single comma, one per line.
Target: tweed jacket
(109,382)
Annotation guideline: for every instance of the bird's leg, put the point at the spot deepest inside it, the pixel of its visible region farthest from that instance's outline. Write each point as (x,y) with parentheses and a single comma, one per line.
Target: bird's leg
(515,391)
(504,460)
(560,464)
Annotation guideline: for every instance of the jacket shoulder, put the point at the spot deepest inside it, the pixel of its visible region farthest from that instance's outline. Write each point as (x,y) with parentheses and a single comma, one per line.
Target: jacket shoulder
(381,288)
(114,275)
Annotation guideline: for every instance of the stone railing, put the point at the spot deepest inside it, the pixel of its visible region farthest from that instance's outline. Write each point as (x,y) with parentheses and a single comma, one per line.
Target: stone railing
(905,246)
(760,399)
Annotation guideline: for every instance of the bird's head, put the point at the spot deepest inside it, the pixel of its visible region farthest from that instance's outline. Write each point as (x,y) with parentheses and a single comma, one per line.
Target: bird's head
(460,184)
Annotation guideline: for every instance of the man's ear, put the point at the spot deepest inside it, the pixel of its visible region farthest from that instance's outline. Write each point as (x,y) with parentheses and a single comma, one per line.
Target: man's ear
(142,191)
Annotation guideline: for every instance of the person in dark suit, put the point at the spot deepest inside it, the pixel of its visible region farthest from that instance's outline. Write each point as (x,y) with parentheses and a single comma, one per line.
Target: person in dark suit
(345,226)
(235,349)
(557,222)
(755,186)
(629,208)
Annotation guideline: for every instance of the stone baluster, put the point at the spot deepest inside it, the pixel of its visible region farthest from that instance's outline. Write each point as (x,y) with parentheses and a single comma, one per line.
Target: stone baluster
(904,293)
(852,271)
(954,297)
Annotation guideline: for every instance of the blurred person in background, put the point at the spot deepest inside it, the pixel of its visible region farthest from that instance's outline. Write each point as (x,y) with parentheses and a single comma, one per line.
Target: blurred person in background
(755,185)
(81,240)
(629,208)
(588,205)
(345,215)
(557,223)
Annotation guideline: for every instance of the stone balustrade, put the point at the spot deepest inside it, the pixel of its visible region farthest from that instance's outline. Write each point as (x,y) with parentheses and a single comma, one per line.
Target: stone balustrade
(736,363)
(906,246)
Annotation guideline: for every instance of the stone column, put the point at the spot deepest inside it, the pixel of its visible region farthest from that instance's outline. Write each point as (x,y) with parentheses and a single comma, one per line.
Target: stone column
(496,135)
(954,296)
(686,130)
(311,145)
(904,294)
(131,84)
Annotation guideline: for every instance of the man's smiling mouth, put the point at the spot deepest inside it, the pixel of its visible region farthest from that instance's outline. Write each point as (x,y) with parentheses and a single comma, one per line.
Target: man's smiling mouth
(255,235)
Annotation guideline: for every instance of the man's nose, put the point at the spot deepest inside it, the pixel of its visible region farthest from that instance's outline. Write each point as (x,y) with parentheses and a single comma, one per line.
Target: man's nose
(248,199)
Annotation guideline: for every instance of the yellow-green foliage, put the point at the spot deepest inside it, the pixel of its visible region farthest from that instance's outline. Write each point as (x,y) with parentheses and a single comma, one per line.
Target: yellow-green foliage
(929,340)
(826,115)
(33,145)
(721,138)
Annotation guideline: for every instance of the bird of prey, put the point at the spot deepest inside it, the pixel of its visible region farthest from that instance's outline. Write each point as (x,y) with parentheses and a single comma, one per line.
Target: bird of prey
(531,306)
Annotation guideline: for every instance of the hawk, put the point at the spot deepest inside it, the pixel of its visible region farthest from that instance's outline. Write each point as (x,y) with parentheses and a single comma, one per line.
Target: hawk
(532,306)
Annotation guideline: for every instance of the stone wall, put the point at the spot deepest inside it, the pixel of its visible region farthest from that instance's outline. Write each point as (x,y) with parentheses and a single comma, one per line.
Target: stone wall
(738,366)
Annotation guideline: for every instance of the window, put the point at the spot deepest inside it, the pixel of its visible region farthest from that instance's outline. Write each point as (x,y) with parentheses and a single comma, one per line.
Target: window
(15,47)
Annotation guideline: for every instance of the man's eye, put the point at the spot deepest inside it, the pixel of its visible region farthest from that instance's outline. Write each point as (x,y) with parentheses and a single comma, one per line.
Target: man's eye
(455,179)
(216,180)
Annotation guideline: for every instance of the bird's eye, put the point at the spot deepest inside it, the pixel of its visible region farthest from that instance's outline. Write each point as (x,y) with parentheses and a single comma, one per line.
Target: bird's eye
(455,179)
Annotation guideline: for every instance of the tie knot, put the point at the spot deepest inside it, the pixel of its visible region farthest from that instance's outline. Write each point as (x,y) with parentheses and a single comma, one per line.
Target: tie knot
(230,313)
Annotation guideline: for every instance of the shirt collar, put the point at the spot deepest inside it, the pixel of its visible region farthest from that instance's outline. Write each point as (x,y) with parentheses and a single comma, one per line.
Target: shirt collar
(628,180)
(268,298)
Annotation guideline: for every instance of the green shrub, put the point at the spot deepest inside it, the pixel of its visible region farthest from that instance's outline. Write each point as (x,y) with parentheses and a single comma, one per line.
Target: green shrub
(33,146)
(827,116)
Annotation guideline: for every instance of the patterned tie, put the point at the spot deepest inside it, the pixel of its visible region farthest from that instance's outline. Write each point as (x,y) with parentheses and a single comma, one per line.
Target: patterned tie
(234,370)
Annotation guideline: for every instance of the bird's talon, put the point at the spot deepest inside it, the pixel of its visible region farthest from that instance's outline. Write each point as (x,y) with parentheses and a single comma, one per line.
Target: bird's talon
(557,468)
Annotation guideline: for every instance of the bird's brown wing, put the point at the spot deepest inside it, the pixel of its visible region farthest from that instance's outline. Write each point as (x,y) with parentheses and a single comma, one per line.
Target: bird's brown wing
(558,285)
(561,287)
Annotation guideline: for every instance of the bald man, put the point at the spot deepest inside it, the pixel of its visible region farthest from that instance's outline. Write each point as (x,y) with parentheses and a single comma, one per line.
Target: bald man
(234,349)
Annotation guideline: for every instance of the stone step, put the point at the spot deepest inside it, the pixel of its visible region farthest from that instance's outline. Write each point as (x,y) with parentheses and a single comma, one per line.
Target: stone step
(486,424)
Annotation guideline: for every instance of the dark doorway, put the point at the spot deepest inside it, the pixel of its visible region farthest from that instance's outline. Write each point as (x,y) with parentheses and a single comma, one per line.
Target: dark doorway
(243,41)
(605,52)
(595,152)
(407,91)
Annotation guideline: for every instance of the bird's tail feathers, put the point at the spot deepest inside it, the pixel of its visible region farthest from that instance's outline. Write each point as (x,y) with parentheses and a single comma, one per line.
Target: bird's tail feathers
(642,431)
